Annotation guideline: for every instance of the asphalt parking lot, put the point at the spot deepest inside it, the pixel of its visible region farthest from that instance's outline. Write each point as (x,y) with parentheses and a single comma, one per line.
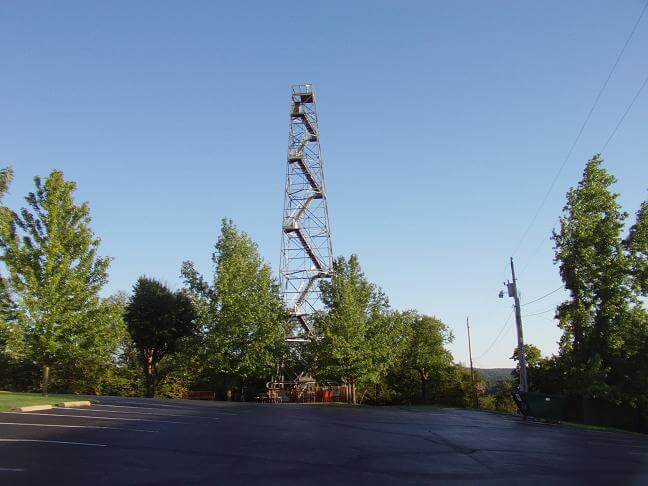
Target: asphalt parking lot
(139,441)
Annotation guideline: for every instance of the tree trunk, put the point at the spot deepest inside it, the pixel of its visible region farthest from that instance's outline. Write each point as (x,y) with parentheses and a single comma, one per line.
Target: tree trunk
(425,377)
(151,373)
(577,327)
(45,380)
(150,386)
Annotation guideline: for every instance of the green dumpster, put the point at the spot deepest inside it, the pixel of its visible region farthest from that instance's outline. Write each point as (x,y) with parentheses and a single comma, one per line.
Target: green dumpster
(541,405)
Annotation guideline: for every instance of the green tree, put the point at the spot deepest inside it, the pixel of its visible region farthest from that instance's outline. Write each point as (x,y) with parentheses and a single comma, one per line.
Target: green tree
(532,354)
(544,374)
(595,269)
(498,395)
(389,379)
(242,316)
(91,364)
(54,271)
(637,246)
(6,176)
(7,307)
(426,353)
(456,387)
(157,319)
(629,367)
(354,334)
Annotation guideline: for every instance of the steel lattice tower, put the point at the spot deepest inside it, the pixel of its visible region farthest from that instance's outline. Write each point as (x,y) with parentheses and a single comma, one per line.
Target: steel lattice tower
(306,253)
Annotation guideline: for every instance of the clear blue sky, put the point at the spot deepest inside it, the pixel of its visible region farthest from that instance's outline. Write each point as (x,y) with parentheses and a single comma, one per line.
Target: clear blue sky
(442,126)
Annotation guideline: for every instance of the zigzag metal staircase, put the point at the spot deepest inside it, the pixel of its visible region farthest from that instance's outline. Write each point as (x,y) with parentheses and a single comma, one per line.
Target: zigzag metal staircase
(304,262)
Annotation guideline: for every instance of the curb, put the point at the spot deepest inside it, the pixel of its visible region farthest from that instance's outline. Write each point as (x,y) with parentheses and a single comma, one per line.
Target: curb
(81,403)
(34,408)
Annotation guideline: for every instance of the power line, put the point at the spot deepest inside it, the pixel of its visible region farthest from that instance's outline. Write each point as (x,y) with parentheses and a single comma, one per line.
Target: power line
(616,128)
(537,249)
(545,295)
(497,338)
(582,128)
(643,85)
(552,309)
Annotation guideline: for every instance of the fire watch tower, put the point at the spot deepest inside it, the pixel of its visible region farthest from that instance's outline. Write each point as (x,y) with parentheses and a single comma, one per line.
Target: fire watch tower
(306,253)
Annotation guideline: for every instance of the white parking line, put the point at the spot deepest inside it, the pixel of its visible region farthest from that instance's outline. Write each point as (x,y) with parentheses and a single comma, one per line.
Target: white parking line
(78,427)
(11,469)
(144,413)
(55,442)
(155,405)
(97,417)
(155,408)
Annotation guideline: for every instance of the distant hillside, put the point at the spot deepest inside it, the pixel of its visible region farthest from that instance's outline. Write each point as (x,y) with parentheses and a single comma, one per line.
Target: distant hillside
(492,375)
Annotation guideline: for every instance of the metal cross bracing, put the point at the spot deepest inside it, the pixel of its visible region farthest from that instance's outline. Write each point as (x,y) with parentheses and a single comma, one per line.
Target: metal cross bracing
(306,253)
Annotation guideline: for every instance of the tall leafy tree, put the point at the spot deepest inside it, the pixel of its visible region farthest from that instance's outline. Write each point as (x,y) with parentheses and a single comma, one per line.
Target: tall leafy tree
(157,320)
(7,308)
(54,270)
(241,314)
(631,360)
(426,353)
(594,268)
(637,246)
(353,334)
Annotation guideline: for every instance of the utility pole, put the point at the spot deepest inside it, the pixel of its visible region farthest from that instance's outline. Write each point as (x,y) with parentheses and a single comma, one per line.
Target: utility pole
(472,371)
(513,292)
